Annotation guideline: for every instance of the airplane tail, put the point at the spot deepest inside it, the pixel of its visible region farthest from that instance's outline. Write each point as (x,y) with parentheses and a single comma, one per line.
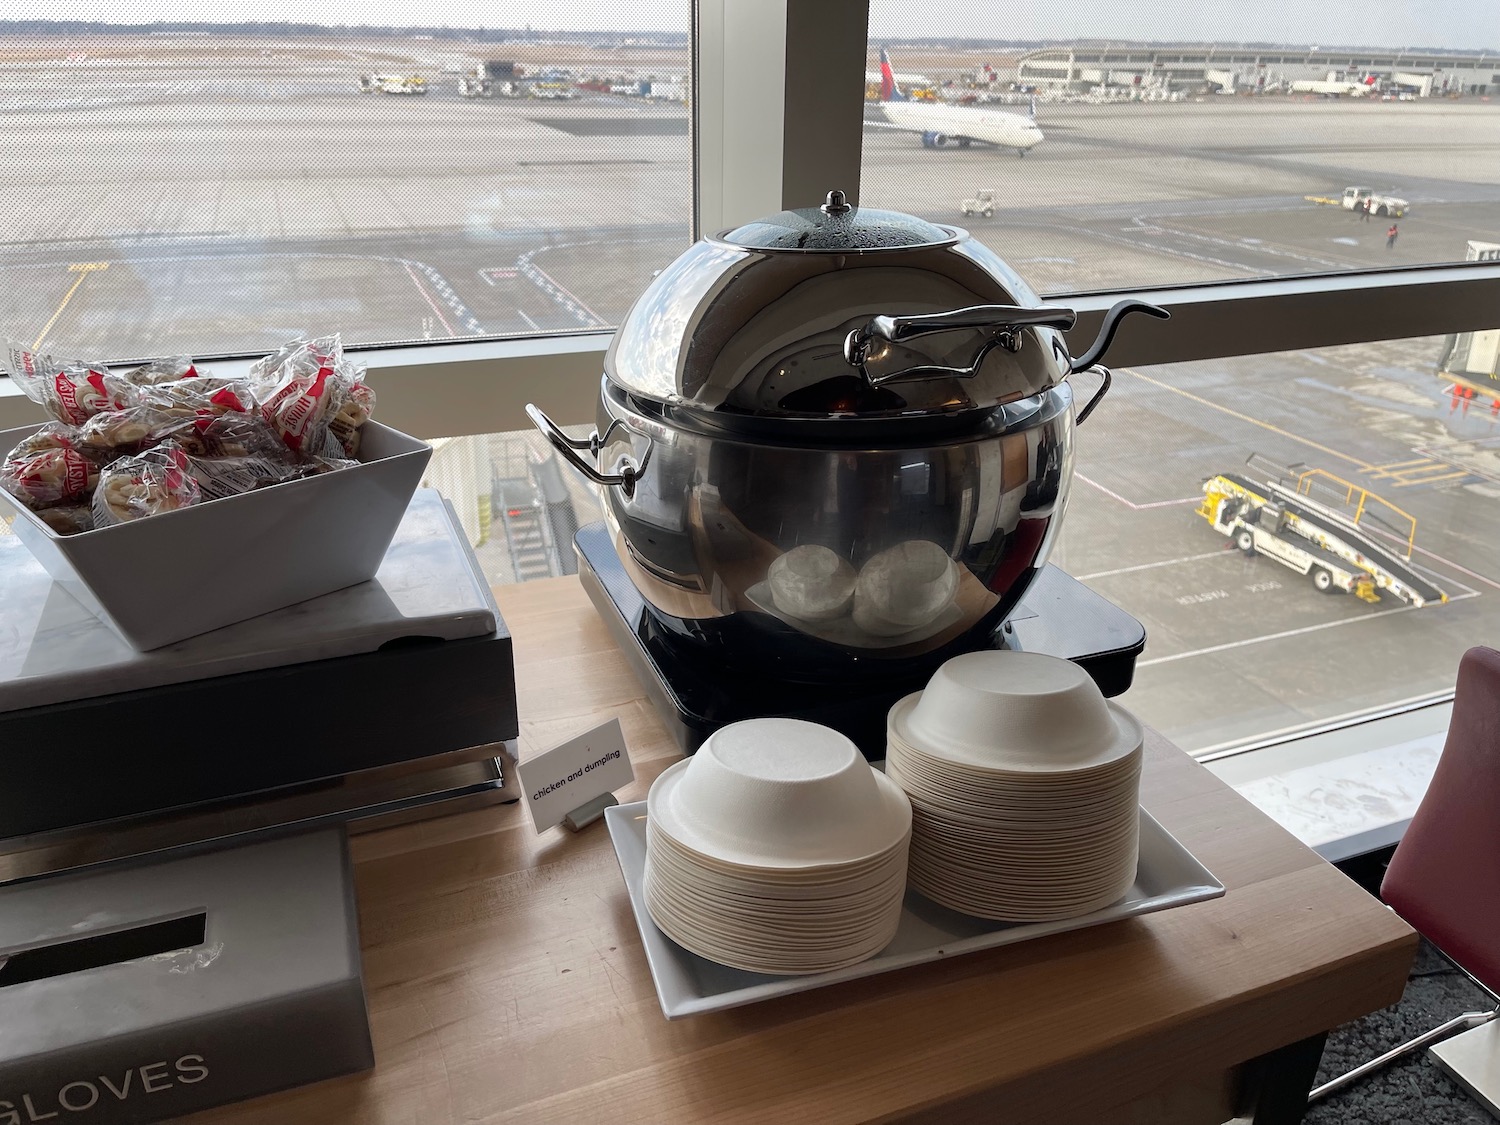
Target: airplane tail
(889,91)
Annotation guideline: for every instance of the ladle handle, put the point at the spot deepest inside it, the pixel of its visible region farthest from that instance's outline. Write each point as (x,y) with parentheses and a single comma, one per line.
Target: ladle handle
(1117,312)
(1003,321)
(629,473)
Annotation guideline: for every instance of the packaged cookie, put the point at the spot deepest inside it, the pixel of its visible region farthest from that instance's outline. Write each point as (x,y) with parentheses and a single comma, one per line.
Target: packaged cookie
(71,390)
(359,404)
(220,477)
(206,394)
(168,370)
(300,395)
(47,468)
(69,519)
(118,433)
(156,481)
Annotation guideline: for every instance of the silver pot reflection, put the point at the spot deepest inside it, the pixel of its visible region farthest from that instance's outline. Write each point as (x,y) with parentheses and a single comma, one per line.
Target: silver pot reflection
(836,441)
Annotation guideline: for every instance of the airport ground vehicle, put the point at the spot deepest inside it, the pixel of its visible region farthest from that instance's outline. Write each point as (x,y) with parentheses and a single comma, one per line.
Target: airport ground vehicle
(392,84)
(494,78)
(1355,197)
(1337,550)
(983,203)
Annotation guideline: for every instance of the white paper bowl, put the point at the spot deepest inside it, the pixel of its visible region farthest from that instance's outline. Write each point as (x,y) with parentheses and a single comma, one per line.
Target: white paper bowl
(811,583)
(1016,710)
(172,576)
(779,793)
(905,587)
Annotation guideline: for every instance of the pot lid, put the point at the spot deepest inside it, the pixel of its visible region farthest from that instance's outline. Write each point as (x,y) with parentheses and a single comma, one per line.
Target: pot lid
(837,225)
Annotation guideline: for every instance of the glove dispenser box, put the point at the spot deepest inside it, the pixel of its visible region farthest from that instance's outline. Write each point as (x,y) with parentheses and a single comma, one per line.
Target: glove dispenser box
(143,991)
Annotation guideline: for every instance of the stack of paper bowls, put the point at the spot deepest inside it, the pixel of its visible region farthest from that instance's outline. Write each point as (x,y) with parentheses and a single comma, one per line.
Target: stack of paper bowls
(777,849)
(1024,783)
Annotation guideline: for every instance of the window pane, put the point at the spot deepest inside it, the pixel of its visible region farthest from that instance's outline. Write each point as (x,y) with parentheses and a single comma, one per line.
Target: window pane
(518,502)
(1153,159)
(1215,501)
(188,187)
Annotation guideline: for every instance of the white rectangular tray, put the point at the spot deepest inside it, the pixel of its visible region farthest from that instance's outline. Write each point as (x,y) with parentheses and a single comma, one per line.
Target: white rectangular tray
(688,985)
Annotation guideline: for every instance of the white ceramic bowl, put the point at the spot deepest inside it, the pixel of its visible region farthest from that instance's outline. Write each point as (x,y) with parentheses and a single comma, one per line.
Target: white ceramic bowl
(778,793)
(1016,710)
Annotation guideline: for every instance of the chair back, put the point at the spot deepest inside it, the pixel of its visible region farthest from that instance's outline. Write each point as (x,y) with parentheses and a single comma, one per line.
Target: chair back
(1444,878)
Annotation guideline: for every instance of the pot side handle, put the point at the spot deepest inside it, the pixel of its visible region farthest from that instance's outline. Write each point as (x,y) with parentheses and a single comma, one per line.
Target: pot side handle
(1117,312)
(569,447)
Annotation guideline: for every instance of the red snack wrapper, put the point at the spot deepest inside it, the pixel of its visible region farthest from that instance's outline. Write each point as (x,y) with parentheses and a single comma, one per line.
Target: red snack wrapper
(206,394)
(72,390)
(48,468)
(358,405)
(162,371)
(157,481)
(300,394)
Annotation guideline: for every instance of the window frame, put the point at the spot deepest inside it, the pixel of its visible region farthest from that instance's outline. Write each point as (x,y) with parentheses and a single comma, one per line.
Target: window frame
(758,65)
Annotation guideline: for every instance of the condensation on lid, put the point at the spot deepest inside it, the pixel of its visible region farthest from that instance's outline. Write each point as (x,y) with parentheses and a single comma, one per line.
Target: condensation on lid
(837,226)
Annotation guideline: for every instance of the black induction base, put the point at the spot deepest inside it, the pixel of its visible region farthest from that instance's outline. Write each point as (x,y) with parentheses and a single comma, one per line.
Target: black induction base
(1058,616)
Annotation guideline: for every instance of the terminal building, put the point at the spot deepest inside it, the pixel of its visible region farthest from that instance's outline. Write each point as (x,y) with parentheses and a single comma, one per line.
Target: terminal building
(1187,68)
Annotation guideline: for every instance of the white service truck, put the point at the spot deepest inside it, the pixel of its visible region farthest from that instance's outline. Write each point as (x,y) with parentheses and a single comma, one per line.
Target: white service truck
(1355,198)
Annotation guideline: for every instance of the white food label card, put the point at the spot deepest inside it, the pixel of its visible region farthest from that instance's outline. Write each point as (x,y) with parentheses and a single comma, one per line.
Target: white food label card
(573,774)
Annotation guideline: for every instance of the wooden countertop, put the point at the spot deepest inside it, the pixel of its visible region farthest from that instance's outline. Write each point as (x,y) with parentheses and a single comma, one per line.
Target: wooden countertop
(506,980)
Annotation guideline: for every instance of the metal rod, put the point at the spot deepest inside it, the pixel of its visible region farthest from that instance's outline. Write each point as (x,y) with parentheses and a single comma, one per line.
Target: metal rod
(1442,1031)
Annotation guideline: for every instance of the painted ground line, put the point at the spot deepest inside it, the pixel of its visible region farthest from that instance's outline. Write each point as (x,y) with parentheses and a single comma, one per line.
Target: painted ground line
(82,269)
(1134,507)
(1222,552)
(1246,641)
(1363,465)
(426,296)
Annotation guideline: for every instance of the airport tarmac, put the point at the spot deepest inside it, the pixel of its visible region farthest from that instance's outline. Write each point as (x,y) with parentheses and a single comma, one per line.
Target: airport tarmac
(229,217)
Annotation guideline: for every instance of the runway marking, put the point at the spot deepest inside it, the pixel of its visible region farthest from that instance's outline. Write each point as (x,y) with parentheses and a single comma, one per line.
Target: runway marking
(1385,470)
(426,296)
(1432,480)
(1364,466)
(1220,553)
(535,327)
(1131,504)
(82,269)
(1247,641)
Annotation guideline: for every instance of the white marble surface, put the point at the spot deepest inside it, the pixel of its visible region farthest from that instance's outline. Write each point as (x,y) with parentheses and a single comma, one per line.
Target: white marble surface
(1345,797)
(52,650)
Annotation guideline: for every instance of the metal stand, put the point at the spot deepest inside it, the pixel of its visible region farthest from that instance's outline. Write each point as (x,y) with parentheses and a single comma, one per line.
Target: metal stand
(1473,1061)
(1460,1023)
(584,815)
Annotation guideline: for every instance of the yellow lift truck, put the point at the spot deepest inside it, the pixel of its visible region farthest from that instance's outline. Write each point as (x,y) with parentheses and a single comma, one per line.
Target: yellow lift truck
(1337,551)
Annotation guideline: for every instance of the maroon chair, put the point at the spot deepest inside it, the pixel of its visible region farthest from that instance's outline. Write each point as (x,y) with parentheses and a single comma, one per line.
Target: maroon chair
(1444,877)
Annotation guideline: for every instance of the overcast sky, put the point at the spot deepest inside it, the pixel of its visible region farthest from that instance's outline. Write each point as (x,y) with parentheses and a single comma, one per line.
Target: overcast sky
(1460,24)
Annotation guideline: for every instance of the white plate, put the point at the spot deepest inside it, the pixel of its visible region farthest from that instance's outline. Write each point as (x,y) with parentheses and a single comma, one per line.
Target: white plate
(688,985)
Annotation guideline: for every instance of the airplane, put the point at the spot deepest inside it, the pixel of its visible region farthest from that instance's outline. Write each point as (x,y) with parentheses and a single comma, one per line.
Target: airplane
(941,124)
(1335,89)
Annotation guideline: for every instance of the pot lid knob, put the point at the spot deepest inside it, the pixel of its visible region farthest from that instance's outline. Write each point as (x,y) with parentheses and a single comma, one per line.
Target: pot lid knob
(836,204)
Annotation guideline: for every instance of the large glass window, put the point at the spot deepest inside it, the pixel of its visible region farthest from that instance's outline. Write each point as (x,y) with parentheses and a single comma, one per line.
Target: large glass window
(1091,168)
(454,172)
(1305,535)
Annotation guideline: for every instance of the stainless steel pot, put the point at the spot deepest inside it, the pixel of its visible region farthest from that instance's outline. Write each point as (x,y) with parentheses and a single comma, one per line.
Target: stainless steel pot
(836,441)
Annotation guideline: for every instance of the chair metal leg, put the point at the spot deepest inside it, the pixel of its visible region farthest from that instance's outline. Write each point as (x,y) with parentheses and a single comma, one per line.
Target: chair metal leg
(1443,1031)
